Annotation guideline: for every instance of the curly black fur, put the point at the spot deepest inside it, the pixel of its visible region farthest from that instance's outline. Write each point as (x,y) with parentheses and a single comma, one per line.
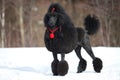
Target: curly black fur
(58,8)
(68,38)
(63,68)
(54,67)
(82,65)
(97,64)
(65,39)
(91,24)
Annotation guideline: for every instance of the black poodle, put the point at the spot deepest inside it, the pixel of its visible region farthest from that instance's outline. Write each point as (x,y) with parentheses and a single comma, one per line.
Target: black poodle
(61,37)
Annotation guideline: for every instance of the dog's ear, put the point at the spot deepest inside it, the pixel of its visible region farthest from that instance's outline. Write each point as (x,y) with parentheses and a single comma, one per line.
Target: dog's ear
(61,19)
(46,18)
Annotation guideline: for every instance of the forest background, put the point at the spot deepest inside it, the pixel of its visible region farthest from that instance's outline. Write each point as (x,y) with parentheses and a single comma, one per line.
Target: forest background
(21,21)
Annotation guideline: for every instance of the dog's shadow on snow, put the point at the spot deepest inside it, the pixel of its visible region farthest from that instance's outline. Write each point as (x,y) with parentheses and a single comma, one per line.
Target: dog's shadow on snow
(44,71)
(29,69)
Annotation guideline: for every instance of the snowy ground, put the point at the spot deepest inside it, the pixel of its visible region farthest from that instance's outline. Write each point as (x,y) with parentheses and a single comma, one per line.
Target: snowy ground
(34,64)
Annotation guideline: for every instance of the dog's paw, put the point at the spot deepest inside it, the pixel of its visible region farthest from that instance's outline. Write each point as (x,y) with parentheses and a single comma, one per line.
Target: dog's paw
(97,64)
(82,66)
(54,65)
(62,68)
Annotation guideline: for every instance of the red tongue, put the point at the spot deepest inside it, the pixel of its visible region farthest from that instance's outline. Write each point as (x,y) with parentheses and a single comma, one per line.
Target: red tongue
(52,35)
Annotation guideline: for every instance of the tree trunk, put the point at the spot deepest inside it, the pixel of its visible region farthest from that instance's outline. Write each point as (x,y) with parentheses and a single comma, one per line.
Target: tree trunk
(21,23)
(3,24)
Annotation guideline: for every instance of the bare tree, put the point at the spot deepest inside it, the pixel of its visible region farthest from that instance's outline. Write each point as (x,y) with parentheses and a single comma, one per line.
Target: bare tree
(21,22)
(2,19)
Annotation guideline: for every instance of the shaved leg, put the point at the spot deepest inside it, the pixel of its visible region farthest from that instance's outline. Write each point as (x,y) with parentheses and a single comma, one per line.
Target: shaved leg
(82,64)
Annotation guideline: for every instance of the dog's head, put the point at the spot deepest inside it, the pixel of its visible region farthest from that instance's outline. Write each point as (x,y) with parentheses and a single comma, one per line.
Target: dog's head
(54,18)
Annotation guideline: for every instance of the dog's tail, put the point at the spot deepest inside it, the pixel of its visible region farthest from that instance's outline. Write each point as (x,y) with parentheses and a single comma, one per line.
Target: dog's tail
(91,24)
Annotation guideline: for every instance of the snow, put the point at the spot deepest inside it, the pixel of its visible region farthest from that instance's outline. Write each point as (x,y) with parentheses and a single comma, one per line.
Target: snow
(35,64)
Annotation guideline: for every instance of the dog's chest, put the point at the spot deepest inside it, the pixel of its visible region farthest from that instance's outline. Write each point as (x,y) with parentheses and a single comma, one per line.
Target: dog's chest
(63,42)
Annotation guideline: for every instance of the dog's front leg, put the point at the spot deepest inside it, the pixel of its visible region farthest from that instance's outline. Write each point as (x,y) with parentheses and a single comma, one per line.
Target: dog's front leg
(54,64)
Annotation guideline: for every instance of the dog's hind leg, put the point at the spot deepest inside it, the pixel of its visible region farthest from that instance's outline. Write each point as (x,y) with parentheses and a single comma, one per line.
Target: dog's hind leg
(82,64)
(86,45)
(54,64)
(62,66)
(97,62)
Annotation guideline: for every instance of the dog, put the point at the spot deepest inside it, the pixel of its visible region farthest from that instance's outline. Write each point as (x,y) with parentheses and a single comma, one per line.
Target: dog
(62,37)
